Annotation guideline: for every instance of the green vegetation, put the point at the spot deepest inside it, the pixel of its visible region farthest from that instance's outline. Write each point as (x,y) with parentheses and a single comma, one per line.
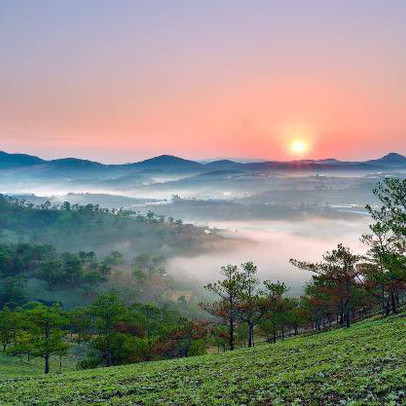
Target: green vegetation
(72,227)
(69,254)
(22,262)
(21,366)
(363,365)
(106,333)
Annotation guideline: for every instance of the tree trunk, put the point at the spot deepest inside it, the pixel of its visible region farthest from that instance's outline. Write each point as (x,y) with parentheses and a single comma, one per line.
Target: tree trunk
(393,302)
(46,363)
(341,317)
(231,333)
(384,307)
(250,335)
(187,349)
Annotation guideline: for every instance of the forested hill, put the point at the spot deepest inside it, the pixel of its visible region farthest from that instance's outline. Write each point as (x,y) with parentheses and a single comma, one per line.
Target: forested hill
(92,228)
(70,253)
(361,366)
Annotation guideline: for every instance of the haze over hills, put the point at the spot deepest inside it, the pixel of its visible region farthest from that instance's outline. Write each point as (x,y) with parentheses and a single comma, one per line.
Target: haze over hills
(174,163)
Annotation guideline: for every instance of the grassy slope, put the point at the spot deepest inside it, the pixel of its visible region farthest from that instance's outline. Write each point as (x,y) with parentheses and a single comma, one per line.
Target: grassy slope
(364,365)
(17,367)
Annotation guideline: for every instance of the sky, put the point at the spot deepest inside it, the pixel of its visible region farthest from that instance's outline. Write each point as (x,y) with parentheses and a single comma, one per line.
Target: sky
(124,80)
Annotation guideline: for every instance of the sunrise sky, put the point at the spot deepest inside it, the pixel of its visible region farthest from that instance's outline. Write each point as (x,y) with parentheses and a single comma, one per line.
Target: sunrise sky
(124,80)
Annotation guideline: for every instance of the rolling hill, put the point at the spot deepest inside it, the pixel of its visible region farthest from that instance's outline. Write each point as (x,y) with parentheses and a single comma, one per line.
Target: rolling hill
(362,365)
(176,164)
(8,161)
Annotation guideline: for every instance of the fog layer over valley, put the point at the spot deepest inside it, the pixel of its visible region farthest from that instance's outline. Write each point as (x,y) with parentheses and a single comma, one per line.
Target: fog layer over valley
(263,212)
(270,245)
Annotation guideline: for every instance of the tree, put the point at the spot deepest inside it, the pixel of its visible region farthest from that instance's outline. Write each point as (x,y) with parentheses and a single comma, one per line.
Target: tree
(338,274)
(228,291)
(183,339)
(44,327)
(274,316)
(8,327)
(113,259)
(250,306)
(51,271)
(255,302)
(80,323)
(320,302)
(384,267)
(106,311)
(392,195)
(72,268)
(12,292)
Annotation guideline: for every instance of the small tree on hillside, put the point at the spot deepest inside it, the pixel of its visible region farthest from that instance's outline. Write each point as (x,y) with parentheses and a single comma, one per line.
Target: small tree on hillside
(275,308)
(43,335)
(339,273)
(106,311)
(256,303)
(251,305)
(392,195)
(384,270)
(228,292)
(183,339)
(8,327)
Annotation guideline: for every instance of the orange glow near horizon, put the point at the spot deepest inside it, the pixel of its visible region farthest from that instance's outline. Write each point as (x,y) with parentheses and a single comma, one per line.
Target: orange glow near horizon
(198,81)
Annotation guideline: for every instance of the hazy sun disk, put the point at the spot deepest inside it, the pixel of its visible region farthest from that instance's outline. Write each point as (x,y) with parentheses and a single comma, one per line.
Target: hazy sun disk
(298,147)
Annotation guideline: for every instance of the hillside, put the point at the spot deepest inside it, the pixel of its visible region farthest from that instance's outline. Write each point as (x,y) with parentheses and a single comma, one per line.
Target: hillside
(93,228)
(363,365)
(39,243)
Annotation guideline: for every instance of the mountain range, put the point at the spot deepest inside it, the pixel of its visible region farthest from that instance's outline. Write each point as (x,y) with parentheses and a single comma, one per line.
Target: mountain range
(170,163)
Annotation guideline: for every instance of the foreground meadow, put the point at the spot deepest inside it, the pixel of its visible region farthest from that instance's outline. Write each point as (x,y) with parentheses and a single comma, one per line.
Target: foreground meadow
(362,365)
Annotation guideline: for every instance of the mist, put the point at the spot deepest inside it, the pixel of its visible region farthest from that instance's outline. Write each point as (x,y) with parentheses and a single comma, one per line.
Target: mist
(270,245)
(267,217)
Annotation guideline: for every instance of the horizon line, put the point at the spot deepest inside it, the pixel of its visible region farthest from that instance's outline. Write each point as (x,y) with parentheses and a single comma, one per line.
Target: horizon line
(202,161)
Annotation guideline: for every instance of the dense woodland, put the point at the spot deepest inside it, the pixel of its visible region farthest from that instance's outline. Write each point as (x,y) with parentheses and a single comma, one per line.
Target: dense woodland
(71,253)
(243,310)
(74,227)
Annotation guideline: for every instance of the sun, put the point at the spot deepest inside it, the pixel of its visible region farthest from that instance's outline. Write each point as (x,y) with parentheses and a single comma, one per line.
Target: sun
(298,147)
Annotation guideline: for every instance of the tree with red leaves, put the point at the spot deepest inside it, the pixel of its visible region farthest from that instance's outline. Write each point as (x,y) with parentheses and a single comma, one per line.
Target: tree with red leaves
(337,276)
(179,339)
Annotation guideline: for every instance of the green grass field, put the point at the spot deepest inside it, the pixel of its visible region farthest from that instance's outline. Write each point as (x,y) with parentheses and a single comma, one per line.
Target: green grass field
(363,365)
(17,367)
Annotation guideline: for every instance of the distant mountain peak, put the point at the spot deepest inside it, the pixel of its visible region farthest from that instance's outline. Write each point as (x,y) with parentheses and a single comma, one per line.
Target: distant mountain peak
(75,162)
(391,159)
(168,161)
(394,156)
(166,158)
(222,161)
(10,160)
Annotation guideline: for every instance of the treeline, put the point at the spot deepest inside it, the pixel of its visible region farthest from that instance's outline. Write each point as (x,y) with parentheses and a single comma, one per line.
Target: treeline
(149,217)
(111,332)
(66,270)
(344,285)
(63,274)
(73,227)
